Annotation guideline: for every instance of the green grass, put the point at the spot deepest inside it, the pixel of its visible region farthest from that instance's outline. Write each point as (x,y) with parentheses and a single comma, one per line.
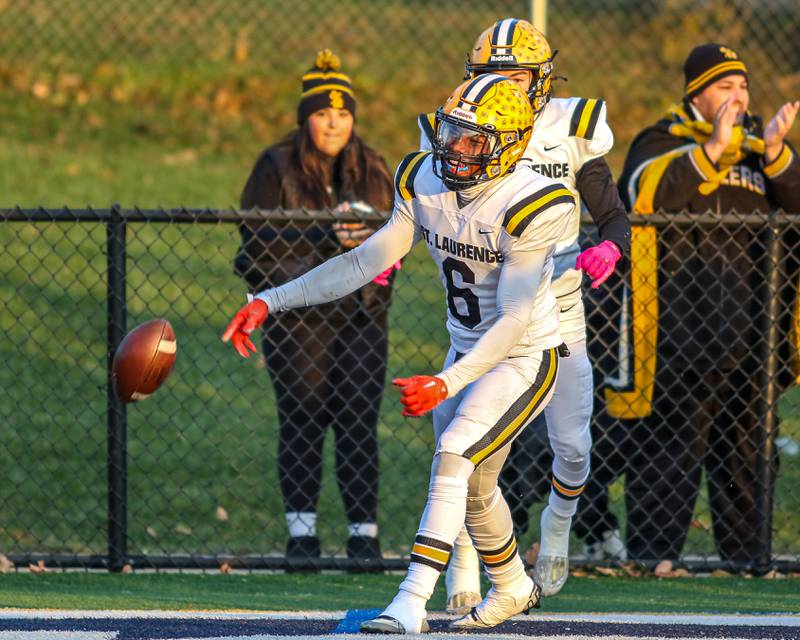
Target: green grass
(281,592)
(208,439)
(89,118)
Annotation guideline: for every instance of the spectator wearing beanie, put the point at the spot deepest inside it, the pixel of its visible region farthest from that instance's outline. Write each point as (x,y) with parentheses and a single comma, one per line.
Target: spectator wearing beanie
(327,363)
(698,402)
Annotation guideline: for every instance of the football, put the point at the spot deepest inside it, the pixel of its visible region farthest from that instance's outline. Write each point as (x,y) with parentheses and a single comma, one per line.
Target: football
(144,360)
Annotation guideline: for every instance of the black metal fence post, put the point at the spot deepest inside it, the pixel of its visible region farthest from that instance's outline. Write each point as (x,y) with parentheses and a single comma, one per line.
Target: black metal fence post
(766,446)
(117,446)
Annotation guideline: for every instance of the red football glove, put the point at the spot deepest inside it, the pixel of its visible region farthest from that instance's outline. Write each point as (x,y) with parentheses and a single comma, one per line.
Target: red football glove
(599,262)
(247,319)
(420,394)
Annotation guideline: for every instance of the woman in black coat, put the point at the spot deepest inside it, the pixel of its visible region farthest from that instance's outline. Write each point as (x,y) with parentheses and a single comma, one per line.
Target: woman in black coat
(327,363)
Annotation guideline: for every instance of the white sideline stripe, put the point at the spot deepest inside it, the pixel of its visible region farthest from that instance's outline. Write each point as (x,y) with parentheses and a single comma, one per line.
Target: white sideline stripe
(451,635)
(122,614)
(753,620)
(703,619)
(59,635)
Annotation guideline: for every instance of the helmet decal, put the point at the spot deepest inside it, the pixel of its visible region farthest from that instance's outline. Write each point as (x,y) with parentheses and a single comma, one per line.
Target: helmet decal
(481,132)
(512,44)
(503,34)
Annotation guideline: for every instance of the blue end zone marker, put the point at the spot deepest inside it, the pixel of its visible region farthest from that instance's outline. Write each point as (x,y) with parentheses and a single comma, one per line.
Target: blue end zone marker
(352,621)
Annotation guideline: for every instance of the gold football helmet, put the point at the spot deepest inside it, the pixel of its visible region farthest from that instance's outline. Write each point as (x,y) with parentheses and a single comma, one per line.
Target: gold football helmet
(511,44)
(481,132)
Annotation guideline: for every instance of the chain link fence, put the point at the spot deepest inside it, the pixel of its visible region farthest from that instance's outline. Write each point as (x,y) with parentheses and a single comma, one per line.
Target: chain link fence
(213,75)
(189,477)
(208,79)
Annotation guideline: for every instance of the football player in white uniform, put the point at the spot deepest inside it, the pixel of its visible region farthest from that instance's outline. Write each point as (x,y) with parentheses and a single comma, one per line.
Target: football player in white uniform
(570,138)
(491,226)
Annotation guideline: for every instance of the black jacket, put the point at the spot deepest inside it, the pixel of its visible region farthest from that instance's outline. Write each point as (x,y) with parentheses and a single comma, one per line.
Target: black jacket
(710,283)
(275,252)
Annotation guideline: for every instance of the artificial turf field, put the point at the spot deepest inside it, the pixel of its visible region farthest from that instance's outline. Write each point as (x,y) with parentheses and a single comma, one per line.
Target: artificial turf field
(144,606)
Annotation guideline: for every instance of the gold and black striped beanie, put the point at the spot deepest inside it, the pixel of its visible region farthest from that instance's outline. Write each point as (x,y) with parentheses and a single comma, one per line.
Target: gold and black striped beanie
(708,63)
(325,86)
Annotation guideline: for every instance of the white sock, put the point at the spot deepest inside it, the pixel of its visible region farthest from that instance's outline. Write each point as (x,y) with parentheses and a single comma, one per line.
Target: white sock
(554,534)
(492,530)
(301,523)
(568,481)
(408,609)
(363,529)
(441,521)
(464,571)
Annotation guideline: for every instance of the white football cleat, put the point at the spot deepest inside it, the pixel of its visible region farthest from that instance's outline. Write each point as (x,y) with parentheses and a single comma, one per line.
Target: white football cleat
(610,547)
(397,618)
(552,564)
(498,607)
(463,580)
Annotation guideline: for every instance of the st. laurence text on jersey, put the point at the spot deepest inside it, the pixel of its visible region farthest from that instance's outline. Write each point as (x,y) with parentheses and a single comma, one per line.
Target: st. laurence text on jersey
(462,249)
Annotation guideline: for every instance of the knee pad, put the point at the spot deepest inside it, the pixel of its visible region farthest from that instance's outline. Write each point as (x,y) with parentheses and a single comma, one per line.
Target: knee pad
(574,472)
(450,465)
(574,449)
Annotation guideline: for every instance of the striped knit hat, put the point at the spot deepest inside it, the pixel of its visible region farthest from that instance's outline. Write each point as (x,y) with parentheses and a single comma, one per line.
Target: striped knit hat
(324,86)
(708,63)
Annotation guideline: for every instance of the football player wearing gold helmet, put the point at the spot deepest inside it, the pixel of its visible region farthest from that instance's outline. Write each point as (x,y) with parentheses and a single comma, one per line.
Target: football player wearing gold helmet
(478,140)
(491,227)
(570,137)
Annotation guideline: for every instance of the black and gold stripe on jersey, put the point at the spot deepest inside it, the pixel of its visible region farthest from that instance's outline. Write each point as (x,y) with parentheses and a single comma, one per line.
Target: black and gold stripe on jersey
(427,122)
(520,215)
(521,412)
(584,117)
(431,552)
(407,172)
(501,556)
(566,491)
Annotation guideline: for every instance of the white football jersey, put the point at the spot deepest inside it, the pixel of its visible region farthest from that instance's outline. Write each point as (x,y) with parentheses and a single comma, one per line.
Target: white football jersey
(522,211)
(567,133)
(494,256)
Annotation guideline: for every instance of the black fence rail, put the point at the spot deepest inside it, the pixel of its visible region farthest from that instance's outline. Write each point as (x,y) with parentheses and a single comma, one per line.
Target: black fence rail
(188,478)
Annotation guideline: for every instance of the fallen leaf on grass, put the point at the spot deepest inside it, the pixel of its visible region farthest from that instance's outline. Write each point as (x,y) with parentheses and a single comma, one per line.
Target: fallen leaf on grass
(222,514)
(663,569)
(699,524)
(720,573)
(607,571)
(631,569)
(6,566)
(578,573)
(774,574)
(38,567)
(224,568)
(183,529)
(532,553)
(185,156)
(126,568)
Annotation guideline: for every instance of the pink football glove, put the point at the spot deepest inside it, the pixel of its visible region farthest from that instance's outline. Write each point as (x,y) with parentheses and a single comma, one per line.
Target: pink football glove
(420,394)
(383,277)
(247,319)
(599,262)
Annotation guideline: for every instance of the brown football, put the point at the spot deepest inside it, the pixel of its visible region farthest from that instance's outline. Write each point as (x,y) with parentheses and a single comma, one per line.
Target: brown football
(143,360)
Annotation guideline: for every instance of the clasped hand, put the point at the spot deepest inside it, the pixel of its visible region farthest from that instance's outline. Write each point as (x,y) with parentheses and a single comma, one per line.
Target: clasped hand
(420,394)
(599,262)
